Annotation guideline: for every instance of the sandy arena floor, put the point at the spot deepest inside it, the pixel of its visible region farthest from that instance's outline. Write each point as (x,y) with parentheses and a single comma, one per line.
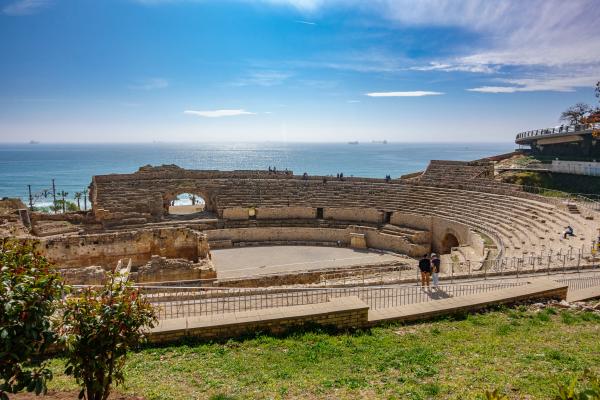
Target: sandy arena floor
(247,261)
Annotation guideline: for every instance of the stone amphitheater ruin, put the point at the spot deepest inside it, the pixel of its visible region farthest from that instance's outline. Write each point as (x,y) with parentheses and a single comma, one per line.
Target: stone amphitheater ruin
(455,209)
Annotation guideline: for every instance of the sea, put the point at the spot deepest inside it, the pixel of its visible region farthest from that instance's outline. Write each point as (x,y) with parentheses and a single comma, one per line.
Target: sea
(73,165)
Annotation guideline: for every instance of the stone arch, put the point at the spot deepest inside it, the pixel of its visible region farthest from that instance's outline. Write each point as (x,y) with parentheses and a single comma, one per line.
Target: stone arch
(449,241)
(173,194)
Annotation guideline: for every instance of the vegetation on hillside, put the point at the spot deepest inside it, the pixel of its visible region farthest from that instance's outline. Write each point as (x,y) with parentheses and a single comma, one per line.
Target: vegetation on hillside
(582,112)
(553,181)
(518,352)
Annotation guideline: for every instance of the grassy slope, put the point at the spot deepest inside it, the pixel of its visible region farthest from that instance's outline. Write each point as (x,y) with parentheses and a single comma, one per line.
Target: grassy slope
(564,182)
(516,350)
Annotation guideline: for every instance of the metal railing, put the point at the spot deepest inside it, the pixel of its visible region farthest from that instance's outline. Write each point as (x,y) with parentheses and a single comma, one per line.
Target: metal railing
(542,263)
(581,283)
(558,130)
(180,302)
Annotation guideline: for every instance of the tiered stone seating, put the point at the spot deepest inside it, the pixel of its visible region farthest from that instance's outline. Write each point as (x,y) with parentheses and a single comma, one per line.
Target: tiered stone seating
(442,170)
(525,226)
(520,223)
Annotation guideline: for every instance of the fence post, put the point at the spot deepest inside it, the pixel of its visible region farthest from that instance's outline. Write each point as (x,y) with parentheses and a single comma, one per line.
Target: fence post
(485,273)
(578,262)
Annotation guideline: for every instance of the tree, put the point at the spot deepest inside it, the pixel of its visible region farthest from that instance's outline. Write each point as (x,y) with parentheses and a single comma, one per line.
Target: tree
(85,194)
(99,326)
(597,91)
(64,206)
(574,114)
(63,194)
(77,197)
(30,292)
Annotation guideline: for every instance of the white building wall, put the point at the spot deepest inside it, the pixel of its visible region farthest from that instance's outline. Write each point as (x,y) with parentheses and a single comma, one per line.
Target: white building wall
(576,167)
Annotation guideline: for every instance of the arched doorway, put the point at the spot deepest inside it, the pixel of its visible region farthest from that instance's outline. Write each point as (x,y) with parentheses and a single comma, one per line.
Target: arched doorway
(448,242)
(185,204)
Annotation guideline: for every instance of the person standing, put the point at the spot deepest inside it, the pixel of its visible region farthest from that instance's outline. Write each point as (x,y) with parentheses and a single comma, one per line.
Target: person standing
(425,268)
(435,269)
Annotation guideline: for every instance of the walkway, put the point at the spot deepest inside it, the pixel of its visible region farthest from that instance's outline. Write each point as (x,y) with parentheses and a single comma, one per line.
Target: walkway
(343,313)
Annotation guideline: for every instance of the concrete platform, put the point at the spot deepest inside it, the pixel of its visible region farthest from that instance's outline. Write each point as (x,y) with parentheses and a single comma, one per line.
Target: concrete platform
(247,261)
(584,294)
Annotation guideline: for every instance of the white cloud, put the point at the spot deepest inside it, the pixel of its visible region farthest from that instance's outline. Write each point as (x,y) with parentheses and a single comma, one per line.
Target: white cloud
(150,84)
(305,22)
(371,61)
(25,7)
(548,33)
(218,113)
(263,78)
(418,93)
(494,89)
(302,5)
(540,84)
(553,37)
(436,66)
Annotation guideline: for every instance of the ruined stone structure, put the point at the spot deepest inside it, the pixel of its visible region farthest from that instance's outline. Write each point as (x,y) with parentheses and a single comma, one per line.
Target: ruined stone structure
(452,207)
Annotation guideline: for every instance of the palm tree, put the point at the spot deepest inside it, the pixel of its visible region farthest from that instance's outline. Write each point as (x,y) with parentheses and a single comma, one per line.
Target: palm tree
(77,196)
(85,194)
(63,194)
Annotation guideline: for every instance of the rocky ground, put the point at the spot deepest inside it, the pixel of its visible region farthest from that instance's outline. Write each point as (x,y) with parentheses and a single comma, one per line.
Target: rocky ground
(590,305)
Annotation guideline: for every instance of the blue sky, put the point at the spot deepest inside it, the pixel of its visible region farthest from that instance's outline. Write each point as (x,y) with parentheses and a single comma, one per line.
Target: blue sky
(292,70)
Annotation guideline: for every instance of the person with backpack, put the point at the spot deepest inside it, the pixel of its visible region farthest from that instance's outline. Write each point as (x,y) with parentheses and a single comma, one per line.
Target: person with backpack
(435,269)
(425,268)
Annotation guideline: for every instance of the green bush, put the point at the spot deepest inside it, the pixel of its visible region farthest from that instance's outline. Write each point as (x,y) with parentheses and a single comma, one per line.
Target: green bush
(29,295)
(99,326)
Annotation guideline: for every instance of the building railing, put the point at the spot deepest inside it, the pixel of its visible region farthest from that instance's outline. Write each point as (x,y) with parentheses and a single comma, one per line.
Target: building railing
(183,302)
(559,130)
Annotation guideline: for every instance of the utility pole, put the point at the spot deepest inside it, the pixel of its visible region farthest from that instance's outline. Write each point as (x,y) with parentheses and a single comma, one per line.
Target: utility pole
(54,196)
(30,198)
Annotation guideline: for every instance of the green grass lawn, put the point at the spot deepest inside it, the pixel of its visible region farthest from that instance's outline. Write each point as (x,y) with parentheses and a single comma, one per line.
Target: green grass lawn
(521,352)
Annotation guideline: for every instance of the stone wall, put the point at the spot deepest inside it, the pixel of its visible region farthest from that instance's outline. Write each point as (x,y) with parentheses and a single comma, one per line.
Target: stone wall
(384,241)
(107,249)
(278,234)
(374,238)
(438,227)
(358,214)
(441,227)
(286,213)
(162,269)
